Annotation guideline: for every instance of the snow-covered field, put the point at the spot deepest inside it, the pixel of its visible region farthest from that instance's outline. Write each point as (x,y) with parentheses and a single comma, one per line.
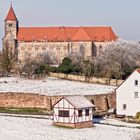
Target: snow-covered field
(52,86)
(14,128)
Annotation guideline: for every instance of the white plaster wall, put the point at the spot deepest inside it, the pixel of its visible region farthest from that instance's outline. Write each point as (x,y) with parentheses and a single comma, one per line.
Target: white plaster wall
(84,117)
(125,95)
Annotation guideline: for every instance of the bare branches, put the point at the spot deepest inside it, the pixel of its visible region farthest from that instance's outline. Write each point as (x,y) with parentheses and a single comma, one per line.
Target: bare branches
(7,59)
(118,60)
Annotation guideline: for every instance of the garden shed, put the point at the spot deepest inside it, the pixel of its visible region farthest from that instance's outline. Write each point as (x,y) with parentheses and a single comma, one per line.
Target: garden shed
(73,111)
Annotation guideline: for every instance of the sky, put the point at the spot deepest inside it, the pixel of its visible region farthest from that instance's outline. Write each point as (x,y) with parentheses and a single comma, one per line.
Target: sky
(122,15)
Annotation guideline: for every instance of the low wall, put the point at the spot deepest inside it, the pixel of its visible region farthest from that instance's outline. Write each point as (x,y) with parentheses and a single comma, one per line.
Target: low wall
(19,100)
(84,79)
(103,102)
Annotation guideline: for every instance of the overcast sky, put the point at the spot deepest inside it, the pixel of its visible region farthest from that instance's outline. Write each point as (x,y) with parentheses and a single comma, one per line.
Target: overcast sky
(122,15)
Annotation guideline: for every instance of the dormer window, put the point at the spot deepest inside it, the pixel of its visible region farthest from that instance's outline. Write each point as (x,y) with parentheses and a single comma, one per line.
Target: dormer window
(136,82)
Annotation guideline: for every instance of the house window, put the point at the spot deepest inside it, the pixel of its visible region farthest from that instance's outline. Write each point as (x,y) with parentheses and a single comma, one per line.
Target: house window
(63,113)
(124,106)
(136,95)
(136,82)
(87,112)
(80,113)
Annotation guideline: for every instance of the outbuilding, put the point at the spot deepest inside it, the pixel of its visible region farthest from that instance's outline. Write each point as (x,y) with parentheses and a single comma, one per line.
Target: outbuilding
(74,112)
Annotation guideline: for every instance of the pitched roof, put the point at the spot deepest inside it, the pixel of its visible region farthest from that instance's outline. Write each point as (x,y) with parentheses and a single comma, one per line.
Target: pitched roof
(79,102)
(62,34)
(11,15)
(138,70)
(81,35)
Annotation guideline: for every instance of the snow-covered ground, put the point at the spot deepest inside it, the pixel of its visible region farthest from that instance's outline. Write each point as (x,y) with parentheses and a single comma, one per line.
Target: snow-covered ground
(14,128)
(116,122)
(52,86)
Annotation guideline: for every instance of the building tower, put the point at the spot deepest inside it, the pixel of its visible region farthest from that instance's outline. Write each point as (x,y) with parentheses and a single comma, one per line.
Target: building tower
(11,22)
(11,30)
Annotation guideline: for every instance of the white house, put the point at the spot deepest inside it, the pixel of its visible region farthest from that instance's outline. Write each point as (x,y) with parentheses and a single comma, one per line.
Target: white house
(73,111)
(128,95)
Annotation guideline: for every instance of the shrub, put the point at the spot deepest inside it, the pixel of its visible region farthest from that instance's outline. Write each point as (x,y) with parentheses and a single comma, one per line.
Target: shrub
(42,69)
(138,117)
(66,66)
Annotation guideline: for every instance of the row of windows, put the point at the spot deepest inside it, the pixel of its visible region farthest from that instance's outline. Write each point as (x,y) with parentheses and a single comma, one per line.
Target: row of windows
(64,113)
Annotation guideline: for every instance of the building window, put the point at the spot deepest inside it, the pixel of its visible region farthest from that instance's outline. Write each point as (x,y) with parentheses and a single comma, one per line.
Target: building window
(81,50)
(80,113)
(136,82)
(68,47)
(63,113)
(87,112)
(10,24)
(136,95)
(124,106)
(94,50)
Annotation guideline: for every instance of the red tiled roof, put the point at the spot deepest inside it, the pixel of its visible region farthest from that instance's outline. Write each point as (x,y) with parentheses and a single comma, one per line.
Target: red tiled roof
(66,34)
(11,15)
(81,35)
(138,70)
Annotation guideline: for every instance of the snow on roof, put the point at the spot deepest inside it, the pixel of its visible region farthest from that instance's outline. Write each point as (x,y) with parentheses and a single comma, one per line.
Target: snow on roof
(79,101)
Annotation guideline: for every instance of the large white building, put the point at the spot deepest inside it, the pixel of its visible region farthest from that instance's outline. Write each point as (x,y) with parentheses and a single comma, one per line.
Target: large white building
(73,111)
(128,95)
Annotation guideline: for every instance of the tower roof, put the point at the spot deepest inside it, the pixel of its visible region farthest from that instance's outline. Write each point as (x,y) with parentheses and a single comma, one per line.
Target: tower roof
(11,15)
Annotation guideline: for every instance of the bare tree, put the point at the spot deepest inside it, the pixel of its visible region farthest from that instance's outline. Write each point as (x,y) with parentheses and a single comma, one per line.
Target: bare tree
(28,67)
(43,58)
(7,59)
(118,59)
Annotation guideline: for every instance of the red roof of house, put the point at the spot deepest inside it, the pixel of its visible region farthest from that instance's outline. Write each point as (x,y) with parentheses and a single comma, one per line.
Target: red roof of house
(138,70)
(98,34)
(11,14)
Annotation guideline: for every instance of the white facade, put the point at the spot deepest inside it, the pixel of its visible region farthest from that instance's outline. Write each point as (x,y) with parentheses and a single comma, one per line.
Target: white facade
(75,115)
(128,95)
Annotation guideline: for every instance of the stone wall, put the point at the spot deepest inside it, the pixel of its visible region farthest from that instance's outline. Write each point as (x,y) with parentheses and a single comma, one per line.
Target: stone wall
(19,100)
(103,102)
(57,50)
(83,79)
